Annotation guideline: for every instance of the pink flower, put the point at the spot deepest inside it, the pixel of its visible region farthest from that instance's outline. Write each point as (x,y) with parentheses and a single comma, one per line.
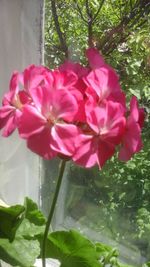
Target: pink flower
(94,58)
(66,80)
(34,76)
(102,82)
(18,96)
(11,110)
(106,125)
(131,142)
(76,68)
(80,85)
(45,125)
(74,112)
(80,72)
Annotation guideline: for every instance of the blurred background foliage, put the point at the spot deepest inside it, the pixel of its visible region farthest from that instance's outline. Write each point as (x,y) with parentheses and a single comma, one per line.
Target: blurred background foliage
(116,200)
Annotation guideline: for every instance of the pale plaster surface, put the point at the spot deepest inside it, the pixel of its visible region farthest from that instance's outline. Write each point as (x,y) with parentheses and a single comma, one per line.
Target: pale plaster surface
(21,35)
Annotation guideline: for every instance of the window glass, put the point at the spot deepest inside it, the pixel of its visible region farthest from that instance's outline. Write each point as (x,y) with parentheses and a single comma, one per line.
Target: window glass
(110,205)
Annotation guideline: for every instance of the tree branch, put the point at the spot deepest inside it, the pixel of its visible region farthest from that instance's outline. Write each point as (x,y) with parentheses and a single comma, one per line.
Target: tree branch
(131,6)
(99,9)
(80,12)
(88,11)
(58,29)
(122,31)
(90,22)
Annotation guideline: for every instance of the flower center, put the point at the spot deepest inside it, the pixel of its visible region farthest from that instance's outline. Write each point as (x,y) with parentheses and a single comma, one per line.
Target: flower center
(51,120)
(103,131)
(17,103)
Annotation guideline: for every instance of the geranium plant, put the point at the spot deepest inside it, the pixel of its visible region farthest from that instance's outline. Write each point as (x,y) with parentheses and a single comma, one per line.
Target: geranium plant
(75,113)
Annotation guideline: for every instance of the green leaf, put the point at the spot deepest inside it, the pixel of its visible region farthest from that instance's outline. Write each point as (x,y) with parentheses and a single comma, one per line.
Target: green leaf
(135,92)
(32,213)
(20,252)
(146,265)
(72,249)
(9,220)
(124,265)
(13,211)
(29,230)
(107,254)
(20,228)
(106,251)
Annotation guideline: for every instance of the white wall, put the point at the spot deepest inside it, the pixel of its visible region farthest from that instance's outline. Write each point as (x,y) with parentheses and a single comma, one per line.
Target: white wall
(21,29)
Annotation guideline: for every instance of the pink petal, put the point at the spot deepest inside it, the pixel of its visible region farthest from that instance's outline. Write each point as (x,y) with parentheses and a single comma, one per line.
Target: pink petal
(115,122)
(86,151)
(36,81)
(6,111)
(40,144)
(49,78)
(92,81)
(3,122)
(34,76)
(64,138)
(42,98)
(24,97)
(10,126)
(9,119)
(64,80)
(142,116)
(137,113)
(131,141)
(107,121)
(74,67)
(105,152)
(92,150)
(55,103)
(96,118)
(64,105)
(31,122)
(116,132)
(14,82)
(103,81)
(80,115)
(9,97)
(79,70)
(94,58)
(104,115)
(118,96)
(134,108)
(114,110)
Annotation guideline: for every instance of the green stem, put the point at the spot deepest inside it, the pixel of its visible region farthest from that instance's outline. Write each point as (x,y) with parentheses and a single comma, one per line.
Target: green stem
(52,209)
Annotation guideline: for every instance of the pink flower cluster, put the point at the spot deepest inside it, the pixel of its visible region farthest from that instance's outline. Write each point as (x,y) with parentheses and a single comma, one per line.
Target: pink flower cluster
(73,112)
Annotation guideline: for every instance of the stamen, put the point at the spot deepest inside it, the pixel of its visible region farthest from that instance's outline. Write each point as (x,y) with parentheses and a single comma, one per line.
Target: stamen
(17,103)
(51,120)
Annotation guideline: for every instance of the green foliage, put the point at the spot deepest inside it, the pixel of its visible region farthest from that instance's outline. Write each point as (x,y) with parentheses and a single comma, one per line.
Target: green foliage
(107,254)
(114,201)
(71,248)
(32,213)
(20,227)
(10,221)
(20,252)
(76,34)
